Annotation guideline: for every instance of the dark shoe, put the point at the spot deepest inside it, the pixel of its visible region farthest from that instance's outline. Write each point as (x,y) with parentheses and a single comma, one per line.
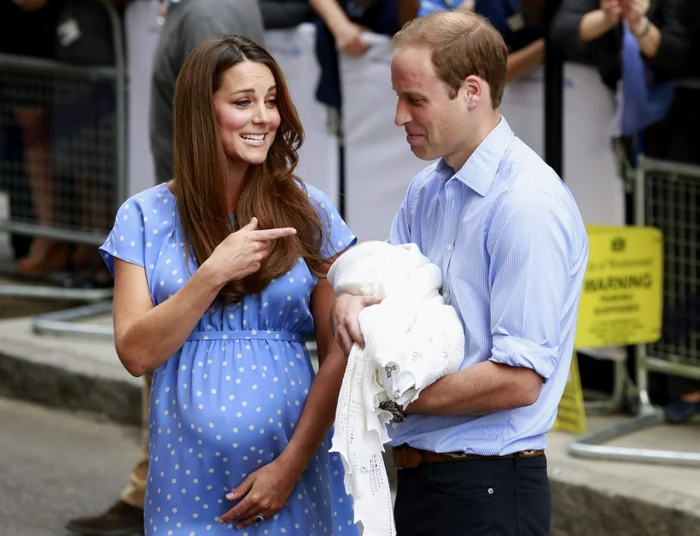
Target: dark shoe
(680,412)
(120,520)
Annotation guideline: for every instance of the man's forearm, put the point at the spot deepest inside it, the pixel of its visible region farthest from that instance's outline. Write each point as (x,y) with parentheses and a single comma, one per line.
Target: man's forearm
(332,14)
(484,388)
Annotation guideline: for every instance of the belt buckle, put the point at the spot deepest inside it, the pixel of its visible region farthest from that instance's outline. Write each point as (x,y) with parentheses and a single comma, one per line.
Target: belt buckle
(401,457)
(527,453)
(456,455)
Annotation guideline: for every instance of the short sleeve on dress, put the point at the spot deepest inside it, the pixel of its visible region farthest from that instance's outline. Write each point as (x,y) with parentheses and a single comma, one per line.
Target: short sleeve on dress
(126,240)
(338,235)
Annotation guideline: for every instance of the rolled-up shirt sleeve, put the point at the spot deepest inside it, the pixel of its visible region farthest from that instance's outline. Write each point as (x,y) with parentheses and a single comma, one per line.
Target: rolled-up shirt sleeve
(529,243)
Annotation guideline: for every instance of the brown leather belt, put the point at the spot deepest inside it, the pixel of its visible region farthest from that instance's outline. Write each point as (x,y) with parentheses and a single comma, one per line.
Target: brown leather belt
(406,457)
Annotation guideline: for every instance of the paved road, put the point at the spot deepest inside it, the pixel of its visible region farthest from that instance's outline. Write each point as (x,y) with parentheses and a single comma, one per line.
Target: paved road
(56,465)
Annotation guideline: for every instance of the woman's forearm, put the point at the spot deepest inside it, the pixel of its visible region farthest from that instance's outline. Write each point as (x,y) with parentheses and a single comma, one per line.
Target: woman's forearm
(145,343)
(593,25)
(318,414)
(648,36)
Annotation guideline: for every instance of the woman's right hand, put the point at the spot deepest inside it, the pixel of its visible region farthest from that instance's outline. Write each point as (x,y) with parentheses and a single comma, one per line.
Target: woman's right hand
(241,253)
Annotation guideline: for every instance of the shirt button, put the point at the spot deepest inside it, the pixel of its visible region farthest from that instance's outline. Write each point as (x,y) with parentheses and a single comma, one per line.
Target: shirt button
(446,295)
(490,491)
(449,247)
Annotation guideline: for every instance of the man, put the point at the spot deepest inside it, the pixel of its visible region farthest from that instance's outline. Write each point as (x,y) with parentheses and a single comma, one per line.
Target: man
(513,251)
(187,24)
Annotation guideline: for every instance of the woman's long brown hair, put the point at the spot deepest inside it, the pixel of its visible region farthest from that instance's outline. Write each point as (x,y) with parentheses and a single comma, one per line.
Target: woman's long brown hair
(270,191)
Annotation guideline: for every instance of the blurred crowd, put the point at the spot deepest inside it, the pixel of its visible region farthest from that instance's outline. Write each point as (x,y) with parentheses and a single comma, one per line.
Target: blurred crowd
(646,52)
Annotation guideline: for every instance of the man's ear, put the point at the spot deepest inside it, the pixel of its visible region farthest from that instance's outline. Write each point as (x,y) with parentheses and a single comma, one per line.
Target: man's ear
(474,88)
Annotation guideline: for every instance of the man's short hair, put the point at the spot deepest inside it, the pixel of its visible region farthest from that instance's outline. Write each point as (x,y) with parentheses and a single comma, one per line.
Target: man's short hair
(463,43)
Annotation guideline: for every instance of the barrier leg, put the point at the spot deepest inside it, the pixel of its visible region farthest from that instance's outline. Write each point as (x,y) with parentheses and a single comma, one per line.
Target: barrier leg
(591,446)
(614,403)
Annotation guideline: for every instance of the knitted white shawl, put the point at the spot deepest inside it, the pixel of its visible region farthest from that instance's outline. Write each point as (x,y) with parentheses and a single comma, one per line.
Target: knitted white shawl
(411,339)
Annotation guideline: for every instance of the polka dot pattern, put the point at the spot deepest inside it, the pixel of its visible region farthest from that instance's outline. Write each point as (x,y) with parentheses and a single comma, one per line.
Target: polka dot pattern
(229,401)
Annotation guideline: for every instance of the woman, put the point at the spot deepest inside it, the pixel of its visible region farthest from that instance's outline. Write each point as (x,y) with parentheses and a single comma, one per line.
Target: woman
(238,424)
(593,30)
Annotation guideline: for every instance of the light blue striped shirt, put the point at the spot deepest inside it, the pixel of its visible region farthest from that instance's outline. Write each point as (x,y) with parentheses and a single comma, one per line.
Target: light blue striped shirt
(513,250)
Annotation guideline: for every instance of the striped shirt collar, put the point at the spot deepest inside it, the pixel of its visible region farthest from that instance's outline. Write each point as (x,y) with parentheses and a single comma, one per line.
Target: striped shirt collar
(479,170)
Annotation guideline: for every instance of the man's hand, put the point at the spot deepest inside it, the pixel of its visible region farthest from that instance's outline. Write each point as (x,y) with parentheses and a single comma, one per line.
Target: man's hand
(349,39)
(345,319)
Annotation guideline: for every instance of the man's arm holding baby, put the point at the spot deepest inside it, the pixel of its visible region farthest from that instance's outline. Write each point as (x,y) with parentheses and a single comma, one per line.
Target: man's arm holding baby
(529,274)
(483,388)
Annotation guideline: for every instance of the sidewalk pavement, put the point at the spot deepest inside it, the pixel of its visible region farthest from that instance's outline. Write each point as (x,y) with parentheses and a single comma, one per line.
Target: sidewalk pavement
(590,497)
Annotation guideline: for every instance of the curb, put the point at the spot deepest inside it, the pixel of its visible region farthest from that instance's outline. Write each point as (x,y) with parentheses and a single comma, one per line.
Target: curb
(116,400)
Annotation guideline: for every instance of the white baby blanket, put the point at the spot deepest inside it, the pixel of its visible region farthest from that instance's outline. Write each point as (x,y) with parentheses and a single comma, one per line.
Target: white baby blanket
(412,338)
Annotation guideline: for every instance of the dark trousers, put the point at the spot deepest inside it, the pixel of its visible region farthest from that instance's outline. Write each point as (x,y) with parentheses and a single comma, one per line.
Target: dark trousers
(491,497)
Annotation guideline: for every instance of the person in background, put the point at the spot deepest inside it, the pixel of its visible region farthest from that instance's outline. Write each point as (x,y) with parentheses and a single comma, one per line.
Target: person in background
(187,24)
(673,138)
(525,41)
(593,30)
(281,14)
(339,29)
(27,28)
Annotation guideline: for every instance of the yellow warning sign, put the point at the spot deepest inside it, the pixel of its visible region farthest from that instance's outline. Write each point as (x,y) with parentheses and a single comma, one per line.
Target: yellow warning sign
(621,303)
(622,290)
(571,416)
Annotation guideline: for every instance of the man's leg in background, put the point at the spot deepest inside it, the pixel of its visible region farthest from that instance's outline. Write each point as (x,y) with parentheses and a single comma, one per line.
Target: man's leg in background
(124,517)
(134,492)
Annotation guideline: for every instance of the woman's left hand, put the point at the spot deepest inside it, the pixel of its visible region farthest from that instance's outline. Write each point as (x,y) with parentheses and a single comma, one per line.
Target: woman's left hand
(264,492)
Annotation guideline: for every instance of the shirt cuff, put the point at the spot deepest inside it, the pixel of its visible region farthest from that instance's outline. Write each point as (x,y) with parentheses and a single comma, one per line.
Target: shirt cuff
(516,352)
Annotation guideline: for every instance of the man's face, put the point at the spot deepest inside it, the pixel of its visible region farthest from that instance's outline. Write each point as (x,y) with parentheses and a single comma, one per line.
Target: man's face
(436,125)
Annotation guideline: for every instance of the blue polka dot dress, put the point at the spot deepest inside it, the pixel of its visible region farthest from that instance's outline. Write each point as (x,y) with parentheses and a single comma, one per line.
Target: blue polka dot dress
(228,401)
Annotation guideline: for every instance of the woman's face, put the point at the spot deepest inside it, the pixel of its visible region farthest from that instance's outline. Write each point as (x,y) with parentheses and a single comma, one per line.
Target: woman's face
(246,112)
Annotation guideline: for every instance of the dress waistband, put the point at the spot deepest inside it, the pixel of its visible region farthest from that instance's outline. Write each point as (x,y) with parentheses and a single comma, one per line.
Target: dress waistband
(239,335)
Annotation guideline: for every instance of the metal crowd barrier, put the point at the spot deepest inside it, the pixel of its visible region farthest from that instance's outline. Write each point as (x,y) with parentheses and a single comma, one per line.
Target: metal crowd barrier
(599,403)
(667,197)
(80,173)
